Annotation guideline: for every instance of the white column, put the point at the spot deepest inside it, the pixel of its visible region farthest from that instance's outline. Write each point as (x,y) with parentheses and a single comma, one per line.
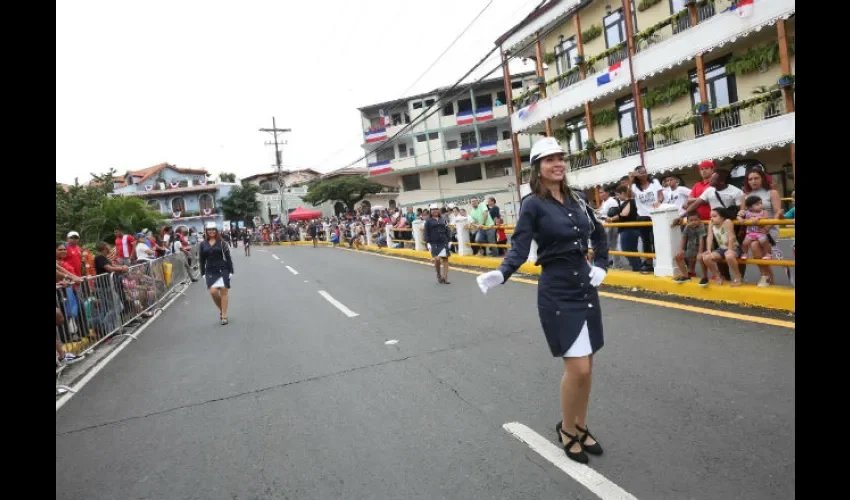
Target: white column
(462,236)
(388,229)
(668,239)
(368,234)
(418,228)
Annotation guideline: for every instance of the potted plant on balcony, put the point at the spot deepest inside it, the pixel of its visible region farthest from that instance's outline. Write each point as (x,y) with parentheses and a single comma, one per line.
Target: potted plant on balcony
(549,58)
(785,81)
(579,59)
(700,108)
(589,144)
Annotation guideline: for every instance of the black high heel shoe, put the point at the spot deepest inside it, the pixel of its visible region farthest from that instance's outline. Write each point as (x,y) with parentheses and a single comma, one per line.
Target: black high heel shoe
(593,449)
(577,456)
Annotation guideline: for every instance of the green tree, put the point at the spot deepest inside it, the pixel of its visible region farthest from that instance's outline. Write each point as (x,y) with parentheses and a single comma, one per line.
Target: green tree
(129,213)
(241,203)
(348,189)
(226,177)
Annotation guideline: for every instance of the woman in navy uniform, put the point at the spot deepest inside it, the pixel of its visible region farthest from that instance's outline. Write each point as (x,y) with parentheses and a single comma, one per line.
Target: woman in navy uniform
(560,221)
(216,267)
(436,236)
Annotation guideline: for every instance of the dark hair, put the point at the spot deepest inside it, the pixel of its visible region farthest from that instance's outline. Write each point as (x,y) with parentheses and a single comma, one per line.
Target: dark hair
(217,234)
(726,213)
(101,246)
(692,213)
(766,181)
(60,244)
(752,200)
(537,187)
(621,189)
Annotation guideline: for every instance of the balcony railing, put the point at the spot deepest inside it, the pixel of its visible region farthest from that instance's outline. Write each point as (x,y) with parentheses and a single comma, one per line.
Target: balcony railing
(578,160)
(617,148)
(670,26)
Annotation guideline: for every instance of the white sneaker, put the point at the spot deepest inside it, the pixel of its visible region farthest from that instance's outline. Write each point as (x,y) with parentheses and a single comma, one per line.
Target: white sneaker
(70,359)
(764,282)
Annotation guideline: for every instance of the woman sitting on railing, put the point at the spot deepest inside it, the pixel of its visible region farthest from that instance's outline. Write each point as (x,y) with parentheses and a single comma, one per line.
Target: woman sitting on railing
(760,184)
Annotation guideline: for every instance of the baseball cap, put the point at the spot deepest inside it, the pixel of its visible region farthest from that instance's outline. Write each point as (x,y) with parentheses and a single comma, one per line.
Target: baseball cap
(73,234)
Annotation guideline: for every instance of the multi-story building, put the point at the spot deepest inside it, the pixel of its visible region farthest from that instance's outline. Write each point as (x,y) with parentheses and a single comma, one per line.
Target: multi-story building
(295,187)
(184,195)
(461,151)
(715,81)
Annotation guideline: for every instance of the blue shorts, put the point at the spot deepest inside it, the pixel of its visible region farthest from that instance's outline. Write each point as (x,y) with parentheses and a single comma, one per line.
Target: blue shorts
(722,252)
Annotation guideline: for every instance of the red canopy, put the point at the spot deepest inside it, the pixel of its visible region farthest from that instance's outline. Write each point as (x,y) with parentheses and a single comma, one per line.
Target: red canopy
(301,213)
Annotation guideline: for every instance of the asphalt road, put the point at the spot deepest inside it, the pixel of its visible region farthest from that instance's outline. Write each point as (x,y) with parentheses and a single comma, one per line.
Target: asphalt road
(296,400)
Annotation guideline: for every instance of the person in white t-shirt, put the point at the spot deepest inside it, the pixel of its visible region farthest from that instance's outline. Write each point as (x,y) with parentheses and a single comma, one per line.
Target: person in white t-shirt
(719,194)
(674,194)
(608,202)
(143,251)
(648,194)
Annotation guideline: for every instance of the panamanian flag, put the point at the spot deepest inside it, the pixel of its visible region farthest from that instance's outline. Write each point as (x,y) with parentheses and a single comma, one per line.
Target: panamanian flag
(612,73)
(380,167)
(377,135)
(148,187)
(465,117)
(743,8)
(526,111)
(173,184)
(468,151)
(488,148)
(483,114)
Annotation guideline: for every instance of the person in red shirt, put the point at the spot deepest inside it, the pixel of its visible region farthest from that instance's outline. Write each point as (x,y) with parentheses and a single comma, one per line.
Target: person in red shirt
(125,247)
(74,256)
(706,169)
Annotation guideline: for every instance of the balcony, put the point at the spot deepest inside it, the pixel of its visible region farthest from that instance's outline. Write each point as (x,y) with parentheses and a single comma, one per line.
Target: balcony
(746,126)
(658,53)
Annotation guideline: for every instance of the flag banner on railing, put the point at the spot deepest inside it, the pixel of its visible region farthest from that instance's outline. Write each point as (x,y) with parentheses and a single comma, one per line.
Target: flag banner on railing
(176,214)
(744,8)
(207,211)
(613,72)
(485,113)
(468,151)
(488,148)
(376,135)
(525,112)
(148,187)
(174,184)
(380,167)
(202,182)
(465,117)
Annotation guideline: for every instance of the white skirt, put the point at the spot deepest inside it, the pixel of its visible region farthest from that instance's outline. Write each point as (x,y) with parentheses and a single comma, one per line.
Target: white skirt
(581,347)
(219,283)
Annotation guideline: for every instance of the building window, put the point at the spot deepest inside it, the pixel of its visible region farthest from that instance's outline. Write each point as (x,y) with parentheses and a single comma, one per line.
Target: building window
(627,124)
(396,119)
(500,96)
(178,205)
(578,127)
(483,101)
(565,55)
(468,173)
(449,109)
(506,134)
(433,136)
(468,139)
(722,92)
(268,187)
(402,150)
(681,23)
(489,135)
(205,201)
(615,32)
(442,171)
(429,103)
(155,205)
(385,154)
(417,105)
(516,84)
(451,144)
(499,168)
(376,122)
(421,138)
(410,182)
(464,105)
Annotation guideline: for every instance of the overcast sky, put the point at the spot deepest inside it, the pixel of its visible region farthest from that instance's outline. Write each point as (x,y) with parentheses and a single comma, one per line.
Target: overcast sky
(190,82)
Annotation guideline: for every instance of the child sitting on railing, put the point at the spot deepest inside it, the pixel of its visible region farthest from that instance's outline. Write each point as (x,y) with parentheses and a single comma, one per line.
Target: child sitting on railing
(756,235)
(501,236)
(693,246)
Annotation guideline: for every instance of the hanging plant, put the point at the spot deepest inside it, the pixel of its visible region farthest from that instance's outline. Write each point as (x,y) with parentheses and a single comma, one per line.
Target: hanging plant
(563,134)
(589,144)
(591,33)
(549,58)
(668,92)
(700,108)
(758,58)
(604,117)
(645,4)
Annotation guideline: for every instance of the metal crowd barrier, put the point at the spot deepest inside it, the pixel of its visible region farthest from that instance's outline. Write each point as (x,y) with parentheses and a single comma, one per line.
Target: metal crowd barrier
(101,307)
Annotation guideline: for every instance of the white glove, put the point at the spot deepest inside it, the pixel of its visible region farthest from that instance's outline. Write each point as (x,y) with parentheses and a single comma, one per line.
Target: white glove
(429,246)
(489,280)
(597,276)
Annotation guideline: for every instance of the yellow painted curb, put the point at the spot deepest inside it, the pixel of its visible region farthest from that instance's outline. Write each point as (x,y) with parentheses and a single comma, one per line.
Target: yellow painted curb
(774,297)
(786,232)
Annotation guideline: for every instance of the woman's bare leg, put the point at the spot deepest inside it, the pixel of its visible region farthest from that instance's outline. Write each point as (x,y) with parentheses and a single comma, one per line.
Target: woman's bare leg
(224,300)
(445,269)
(216,297)
(575,383)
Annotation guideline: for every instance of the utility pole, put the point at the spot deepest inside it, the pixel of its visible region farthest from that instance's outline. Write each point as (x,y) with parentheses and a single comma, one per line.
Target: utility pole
(274,130)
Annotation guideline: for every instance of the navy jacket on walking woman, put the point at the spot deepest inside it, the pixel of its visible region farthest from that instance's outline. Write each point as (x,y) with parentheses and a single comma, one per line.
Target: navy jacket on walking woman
(436,234)
(566,300)
(215,262)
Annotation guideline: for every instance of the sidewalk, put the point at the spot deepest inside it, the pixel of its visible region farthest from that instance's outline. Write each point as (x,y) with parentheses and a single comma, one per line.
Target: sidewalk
(774,297)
